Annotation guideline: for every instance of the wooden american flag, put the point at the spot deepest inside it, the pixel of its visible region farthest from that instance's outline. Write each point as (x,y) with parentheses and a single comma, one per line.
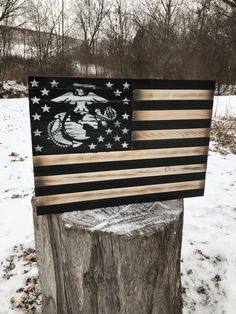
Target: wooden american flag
(107,142)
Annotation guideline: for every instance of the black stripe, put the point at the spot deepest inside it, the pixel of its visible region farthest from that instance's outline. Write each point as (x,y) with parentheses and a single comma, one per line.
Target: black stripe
(173,84)
(172,105)
(120,183)
(170,124)
(111,202)
(180,142)
(117,165)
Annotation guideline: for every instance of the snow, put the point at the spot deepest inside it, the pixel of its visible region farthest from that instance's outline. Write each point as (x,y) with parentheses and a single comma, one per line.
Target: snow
(209,226)
(16,187)
(224,106)
(209,235)
(12,89)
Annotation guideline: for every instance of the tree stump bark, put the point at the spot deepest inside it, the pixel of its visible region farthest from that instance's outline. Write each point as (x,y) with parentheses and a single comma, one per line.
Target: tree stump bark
(118,260)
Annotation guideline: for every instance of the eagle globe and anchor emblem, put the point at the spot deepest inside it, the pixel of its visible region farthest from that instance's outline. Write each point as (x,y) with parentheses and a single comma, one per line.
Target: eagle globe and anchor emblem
(72,129)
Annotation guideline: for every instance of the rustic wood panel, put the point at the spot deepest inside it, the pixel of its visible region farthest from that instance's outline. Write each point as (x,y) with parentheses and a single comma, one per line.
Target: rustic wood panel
(153,115)
(106,142)
(120,192)
(117,174)
(166,94)
(169,134)
(50,160)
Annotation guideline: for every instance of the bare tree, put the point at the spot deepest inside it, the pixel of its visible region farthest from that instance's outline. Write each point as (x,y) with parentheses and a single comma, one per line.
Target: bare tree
(163,31)
(8,8)
(8,11)
(48,35)
(231,3)
(90,15)
(119,32)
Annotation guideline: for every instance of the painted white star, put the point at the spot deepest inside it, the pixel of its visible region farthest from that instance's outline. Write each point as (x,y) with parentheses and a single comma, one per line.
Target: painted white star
(117,138)
(100,138)
(35,100)
(125,131)
(45,108)
(37,133)
(117,123)
(36,116)
(108,145)
(125,116)
(124,145)
(45,91)
(125,101)
(126,85)
(38,148)
(54,83)
(34,83)
(109,84)
(109,131)
(92,146)
(117,93)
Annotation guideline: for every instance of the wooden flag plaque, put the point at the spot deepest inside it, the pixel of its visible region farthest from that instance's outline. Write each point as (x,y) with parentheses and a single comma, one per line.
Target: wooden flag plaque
(101,142)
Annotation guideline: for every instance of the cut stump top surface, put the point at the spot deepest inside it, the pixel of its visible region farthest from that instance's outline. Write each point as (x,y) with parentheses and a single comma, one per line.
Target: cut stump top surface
(128,220)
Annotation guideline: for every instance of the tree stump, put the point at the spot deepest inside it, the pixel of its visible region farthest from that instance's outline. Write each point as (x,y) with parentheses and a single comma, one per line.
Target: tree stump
(117,260)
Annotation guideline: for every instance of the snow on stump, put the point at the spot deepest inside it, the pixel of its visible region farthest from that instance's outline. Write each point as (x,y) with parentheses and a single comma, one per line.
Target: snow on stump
(117,260)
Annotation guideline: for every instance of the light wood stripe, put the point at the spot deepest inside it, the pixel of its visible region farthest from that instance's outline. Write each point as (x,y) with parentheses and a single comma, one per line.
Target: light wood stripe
(118,192)
(54,160)
(169,134)
(157,115)
(117,174)
(172,94)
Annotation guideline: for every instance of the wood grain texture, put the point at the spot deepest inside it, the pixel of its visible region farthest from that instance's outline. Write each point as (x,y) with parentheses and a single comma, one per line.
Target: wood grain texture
(155,115)
(172,94)
(169,134)
(118,192)
(117,174)
(117,260)
(52,160)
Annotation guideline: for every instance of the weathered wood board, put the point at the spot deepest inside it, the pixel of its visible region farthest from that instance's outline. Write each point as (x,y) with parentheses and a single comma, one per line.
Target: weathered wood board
(108,142)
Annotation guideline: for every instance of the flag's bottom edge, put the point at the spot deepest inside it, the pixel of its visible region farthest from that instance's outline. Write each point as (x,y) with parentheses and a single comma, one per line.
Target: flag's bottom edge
(95,204)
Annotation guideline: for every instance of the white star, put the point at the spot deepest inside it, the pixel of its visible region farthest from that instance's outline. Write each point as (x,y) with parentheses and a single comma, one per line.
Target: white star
(117,138)
(36,116)
(45,91)
(92,146)
(34,83)
(125,116)
(109,84)
(117,123)
(125,131)
(124,145)
(38,148)
(45,108)
(117,93)
(35,100)
(100,138)
(109,131)
(126,85)
(54,83)
(108,145)
(37,133)
(125,101)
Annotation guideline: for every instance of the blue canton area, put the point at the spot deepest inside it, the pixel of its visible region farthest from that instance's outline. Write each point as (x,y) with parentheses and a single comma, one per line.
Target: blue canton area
(80,115)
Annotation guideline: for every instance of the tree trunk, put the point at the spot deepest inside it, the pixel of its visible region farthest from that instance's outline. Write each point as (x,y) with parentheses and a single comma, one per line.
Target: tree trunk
(117,260)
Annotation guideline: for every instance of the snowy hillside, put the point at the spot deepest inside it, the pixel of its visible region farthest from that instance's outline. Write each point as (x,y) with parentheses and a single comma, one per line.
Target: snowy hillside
(208,252)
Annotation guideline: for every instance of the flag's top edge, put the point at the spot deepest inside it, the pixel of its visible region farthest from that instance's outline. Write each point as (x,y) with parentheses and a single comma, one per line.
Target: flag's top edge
(137,83)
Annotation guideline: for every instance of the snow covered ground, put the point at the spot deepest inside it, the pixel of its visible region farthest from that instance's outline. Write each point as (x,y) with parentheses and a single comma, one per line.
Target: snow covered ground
(208,253)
